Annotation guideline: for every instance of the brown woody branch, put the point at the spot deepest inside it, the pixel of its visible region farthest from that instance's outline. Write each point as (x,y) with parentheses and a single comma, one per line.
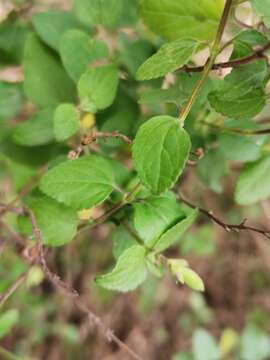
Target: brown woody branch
(94,136)
(256,55)
(73,295)
(227,227)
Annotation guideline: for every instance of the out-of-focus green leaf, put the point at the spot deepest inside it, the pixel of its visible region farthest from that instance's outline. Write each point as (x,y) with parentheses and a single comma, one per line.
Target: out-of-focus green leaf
(78,51)
(36,131)
(262,9)
(57,222)
(66,121)
(212,168)
(240,147)
(99,12)
(204,346)
(46,82)
(253,183)
(10,100)
(255,344)
(173,19)
(51,25)
(8,320)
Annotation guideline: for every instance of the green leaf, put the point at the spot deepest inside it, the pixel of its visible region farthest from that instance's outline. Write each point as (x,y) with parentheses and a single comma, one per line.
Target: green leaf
(122,240)
(244,43)
(8,320)
(171,236)
(246,106)
(78,51)
(183,356)
(133,53)
(99,12)
(204,346)
(240,147)
(160,151)
(10,100)
(121,172)
(241,93)
(253,183)
(36,131)
(243,79)
(57,222)
(169,58)
(255,344)
(173,19)
(212,168)
(66,121)
(97,88)
(172,95)
(121,116)
(177,93)
(154,215)
(80,183)
(129,272)
(262,8)
(13,33)
(51,25)
(46,82)
(199,242)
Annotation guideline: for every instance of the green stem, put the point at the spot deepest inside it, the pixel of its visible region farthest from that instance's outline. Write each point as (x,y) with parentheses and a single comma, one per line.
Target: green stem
(135,236)
(210,62)
(127,199)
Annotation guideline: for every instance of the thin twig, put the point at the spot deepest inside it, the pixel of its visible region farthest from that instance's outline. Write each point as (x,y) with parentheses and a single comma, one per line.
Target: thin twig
(19,239)
(256,55)
(92,137)
(73,295)
(246,132)
(11,290)
(227,227)
(113,210)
